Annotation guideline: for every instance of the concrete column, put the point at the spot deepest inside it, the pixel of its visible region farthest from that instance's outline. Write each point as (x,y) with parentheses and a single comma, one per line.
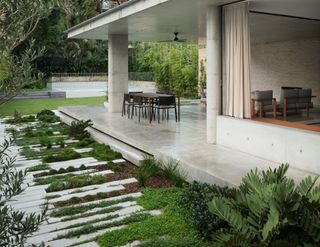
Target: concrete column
(213,71)
(117,71)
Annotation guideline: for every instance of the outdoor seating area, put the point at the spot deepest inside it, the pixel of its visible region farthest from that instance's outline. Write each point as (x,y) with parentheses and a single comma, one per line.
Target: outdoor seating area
(150,106)
(292,101)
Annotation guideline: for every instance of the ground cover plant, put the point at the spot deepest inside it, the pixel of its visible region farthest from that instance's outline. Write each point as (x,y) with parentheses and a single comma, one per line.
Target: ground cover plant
(64,155)
(104,153)
(19,119)
(171,226)
(78,209)
(76,181)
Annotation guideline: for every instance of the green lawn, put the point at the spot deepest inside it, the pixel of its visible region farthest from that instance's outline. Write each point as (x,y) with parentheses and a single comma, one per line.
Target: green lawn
(31,106)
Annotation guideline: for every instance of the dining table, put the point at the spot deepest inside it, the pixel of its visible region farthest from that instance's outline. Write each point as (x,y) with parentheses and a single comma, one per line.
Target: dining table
(152,97)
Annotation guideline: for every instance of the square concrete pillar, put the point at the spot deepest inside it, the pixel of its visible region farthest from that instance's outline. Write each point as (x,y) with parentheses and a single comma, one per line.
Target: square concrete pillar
(117,71)
(213,71)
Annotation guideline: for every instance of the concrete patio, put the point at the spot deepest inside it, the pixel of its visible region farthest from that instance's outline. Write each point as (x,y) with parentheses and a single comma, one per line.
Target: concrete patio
(184,142)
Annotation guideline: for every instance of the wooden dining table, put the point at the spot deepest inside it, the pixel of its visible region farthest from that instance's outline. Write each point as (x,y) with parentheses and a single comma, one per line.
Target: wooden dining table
(151,97)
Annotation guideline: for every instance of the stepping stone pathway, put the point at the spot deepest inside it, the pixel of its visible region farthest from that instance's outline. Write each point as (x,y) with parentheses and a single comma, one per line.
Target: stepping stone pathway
(65,222)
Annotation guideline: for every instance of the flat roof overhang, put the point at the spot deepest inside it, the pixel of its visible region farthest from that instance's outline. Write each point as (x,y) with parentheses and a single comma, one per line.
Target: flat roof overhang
(157,20)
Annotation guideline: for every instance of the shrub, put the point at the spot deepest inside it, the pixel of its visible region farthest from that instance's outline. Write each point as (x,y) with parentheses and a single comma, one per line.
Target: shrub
(84,143)
(151,167)
(17,118)
(45,113)
(44,141)
(49,118)
(78,130)
(268,209)
(196,199)
(65,155)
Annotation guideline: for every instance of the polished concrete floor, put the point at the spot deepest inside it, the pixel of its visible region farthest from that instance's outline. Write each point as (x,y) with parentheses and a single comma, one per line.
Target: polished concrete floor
(184,142)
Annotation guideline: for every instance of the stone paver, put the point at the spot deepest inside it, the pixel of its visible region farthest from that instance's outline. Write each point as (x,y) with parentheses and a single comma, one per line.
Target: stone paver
(101,189)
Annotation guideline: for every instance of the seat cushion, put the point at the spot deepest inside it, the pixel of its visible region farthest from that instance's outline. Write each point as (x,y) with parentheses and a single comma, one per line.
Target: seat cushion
(289,106)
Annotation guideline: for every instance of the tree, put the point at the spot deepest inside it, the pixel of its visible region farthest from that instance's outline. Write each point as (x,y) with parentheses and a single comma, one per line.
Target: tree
(18,20)
(15,226)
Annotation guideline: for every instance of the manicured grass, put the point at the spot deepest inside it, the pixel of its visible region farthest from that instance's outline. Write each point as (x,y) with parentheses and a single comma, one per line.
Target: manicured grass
(33,106)
(170,226)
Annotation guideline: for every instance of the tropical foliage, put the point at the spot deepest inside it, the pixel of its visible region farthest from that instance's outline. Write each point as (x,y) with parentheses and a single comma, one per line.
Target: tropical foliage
(269,209)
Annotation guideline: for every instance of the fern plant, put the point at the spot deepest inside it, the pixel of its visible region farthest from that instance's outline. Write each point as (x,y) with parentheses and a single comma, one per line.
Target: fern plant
(269,209)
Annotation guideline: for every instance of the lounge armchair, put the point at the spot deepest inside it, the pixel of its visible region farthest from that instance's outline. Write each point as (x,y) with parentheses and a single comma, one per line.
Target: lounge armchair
(262,102)
(295,99)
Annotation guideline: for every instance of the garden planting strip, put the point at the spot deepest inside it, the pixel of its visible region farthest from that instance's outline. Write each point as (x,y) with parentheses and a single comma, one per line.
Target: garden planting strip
(81,161)
(121,204)
(133,195)
(56,227)
(78,165)
(101,189)
(82,238)
(106,187)
(82,150)
(62,174)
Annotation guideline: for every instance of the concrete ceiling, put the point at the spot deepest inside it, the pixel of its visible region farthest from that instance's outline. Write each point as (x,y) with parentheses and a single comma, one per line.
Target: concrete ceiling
(161,18)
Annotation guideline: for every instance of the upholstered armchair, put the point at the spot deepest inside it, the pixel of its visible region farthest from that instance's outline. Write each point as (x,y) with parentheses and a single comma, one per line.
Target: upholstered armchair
(262,102)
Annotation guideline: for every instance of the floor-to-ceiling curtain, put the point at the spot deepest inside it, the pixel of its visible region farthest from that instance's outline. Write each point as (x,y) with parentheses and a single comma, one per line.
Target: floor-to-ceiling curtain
(237,59)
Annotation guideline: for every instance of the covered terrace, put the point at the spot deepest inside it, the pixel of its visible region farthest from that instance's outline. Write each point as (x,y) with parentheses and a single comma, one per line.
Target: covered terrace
(222,137)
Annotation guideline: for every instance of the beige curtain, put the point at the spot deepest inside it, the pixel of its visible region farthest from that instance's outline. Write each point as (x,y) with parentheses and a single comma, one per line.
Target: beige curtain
(237,59)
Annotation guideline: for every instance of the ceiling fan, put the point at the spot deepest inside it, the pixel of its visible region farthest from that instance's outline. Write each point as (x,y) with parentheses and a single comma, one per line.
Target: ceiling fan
(175,39)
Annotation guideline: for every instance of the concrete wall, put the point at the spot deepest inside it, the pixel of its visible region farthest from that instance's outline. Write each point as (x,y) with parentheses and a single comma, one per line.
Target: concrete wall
(299,148)
(289,63)
(78,78)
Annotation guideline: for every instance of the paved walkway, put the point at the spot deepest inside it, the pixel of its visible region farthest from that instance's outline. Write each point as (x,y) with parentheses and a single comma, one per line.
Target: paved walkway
(183,142)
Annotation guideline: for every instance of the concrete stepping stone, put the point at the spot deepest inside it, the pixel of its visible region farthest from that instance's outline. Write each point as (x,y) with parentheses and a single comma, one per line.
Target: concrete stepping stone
(118,161)
(62,232)
(90,244)
(82,161)
(71,141)
(57,226)
(103,189)
(133,195)
(28,163)
(83,150)
(89,172)
(121,204)
(72,241)
(73,173)
(93,188)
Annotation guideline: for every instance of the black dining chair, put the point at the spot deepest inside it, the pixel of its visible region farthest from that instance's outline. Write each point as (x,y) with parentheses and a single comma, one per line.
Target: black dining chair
(165,103)
(126,104)
(138,105)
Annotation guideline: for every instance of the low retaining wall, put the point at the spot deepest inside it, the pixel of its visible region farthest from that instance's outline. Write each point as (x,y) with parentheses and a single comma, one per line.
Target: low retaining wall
(78,78)
(299,148)
(41,95)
